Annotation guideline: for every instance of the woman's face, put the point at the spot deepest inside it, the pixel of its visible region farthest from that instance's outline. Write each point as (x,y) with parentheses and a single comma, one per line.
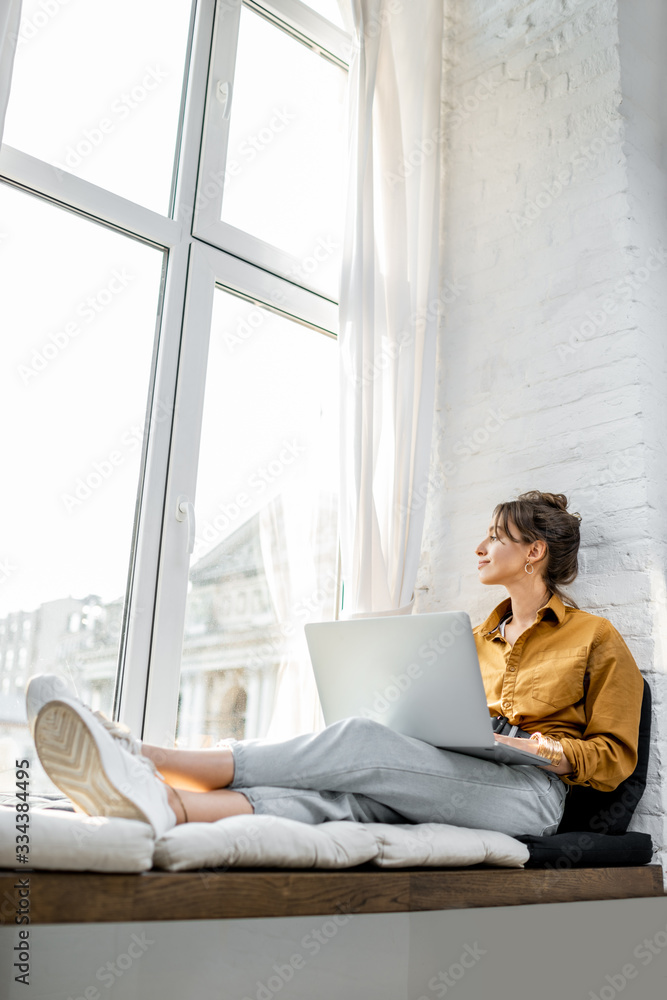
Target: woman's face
(500,560)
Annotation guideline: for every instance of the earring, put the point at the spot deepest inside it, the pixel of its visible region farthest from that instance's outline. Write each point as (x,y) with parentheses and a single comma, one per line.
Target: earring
(531,570)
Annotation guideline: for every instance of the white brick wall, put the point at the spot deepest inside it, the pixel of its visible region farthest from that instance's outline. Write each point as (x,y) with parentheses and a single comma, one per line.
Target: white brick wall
(554,203)
(643,36)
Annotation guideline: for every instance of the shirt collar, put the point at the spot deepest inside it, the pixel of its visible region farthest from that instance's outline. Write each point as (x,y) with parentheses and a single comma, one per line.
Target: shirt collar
(554,608)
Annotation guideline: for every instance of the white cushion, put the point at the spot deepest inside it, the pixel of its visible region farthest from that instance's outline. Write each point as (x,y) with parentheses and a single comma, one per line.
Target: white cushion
(73,842)
(439,844)
(68,841)
(273,841)
(251,841)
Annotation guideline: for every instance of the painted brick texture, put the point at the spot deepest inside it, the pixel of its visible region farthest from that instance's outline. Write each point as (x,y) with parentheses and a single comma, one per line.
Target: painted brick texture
(552,359)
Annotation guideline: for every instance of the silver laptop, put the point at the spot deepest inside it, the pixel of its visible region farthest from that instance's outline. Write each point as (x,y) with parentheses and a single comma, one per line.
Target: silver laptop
(417,674)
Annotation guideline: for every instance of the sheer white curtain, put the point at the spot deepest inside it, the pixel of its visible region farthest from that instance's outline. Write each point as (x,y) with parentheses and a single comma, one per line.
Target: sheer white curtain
(10,19)
(298,541)
(389,299)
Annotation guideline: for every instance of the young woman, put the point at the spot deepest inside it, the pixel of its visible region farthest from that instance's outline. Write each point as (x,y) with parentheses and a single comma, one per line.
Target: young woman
(557,672)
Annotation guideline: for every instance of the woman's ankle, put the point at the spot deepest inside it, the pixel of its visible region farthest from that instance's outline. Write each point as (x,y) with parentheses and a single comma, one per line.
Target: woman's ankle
(177,806)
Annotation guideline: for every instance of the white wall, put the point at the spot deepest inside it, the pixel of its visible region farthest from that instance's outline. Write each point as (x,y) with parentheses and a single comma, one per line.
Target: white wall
(551,364)
(553,951)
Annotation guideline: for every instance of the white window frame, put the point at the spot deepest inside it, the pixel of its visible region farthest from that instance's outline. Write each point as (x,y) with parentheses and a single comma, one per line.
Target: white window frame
(147,678)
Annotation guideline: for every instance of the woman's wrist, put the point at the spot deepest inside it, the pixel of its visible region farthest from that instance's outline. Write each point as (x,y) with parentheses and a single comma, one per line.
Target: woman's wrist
(552,750)
(564,767)
(548,748)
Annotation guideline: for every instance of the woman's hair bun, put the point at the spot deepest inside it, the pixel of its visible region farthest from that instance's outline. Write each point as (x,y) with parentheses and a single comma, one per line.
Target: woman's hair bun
(557,500)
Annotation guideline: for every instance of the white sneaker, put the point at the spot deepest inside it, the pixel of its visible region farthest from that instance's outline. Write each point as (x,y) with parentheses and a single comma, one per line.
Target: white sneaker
(91,766)
(50,687)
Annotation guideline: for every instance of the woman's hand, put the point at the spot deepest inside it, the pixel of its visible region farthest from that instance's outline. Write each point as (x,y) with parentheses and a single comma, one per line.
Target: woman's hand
(520,743)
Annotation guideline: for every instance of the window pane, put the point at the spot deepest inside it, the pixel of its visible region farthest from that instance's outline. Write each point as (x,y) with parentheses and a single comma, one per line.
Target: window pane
(285,163)
(265,552)
(78,303)
(96,91)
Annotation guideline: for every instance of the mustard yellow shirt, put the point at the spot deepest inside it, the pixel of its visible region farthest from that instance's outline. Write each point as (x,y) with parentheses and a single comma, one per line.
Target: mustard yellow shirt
(570,676)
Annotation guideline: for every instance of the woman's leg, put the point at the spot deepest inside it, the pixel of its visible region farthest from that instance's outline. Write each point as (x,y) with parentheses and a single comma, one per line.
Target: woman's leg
(194,770)
(300,804)
(417,781)
(200,778)
(206,807)
(359,770)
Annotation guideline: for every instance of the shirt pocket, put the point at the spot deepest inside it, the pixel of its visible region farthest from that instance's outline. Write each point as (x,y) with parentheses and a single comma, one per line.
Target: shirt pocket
(558,676)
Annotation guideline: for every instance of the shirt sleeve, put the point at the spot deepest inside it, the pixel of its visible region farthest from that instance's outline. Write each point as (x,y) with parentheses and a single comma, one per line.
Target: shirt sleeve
(606,754)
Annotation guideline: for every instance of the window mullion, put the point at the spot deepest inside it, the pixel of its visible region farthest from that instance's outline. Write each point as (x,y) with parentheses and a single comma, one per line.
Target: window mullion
(76,194)
(138,632)
(167,639)
(144,624)
(207,200)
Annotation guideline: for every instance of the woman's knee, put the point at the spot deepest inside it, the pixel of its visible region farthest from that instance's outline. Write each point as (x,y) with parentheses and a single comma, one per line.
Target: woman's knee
(359,726)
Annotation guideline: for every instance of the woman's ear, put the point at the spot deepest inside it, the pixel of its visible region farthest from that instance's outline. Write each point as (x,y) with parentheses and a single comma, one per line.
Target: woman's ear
(538,550)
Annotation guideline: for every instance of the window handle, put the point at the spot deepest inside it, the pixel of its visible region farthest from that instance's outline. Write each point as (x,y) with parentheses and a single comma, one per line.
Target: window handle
(223,92)
(185,509)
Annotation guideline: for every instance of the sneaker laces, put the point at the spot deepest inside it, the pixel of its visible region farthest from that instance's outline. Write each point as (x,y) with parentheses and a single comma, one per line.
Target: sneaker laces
(120,732)
(123,735)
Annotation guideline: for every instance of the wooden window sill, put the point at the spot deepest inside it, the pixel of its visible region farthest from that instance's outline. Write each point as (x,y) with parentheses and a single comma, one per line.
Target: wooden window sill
(89,897)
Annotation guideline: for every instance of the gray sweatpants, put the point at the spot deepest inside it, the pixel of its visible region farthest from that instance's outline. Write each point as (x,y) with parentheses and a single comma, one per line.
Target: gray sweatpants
(359,769)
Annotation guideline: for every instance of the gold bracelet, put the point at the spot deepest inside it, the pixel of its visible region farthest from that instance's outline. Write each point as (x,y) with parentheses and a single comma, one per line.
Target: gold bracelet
(175,791)
(551,750)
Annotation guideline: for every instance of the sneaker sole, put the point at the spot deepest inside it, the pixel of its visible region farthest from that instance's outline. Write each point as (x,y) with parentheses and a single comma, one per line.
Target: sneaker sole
(71,758)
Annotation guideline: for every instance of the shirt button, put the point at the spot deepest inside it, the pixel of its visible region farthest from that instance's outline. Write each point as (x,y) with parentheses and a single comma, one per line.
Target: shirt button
(512,669)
